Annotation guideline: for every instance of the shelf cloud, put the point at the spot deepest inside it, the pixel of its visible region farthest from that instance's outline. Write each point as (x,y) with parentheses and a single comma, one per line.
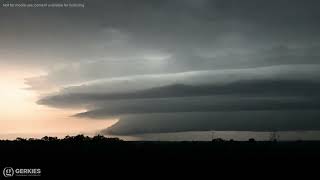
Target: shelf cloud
(172,65)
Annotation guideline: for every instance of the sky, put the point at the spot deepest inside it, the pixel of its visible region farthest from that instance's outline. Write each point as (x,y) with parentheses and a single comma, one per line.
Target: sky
(160,66)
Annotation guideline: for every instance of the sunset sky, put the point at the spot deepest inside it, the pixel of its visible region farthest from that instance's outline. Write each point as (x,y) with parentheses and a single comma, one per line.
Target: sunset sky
(160,66)
(21,115)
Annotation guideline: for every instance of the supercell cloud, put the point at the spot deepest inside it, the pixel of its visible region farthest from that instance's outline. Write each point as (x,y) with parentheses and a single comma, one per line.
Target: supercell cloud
(172,65)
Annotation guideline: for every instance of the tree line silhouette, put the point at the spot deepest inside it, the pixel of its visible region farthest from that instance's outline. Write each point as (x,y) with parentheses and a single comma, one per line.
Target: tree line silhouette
(77,138)
(274,137)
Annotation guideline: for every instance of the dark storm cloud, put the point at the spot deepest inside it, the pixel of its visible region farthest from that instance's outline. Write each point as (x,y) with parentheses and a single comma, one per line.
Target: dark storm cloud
(298,80)
(149,56)
(218,121)
(271,90)
(166,63)
(123,36)
(276,88)
(201,104)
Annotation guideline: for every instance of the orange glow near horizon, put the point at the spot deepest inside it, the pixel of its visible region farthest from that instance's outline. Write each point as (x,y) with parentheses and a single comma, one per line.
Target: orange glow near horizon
(20,114)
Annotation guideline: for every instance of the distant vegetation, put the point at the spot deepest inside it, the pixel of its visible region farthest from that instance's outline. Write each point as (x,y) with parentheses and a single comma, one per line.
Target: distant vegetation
(274,137)
(78,138)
